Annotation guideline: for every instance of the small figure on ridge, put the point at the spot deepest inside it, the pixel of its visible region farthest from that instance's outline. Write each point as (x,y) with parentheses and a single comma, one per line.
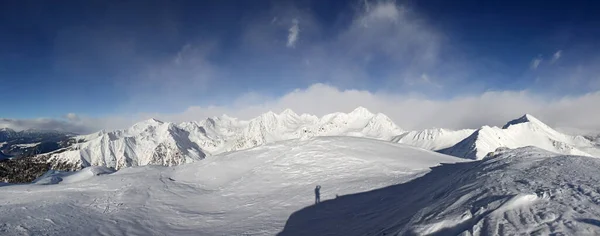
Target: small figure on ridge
(318,194)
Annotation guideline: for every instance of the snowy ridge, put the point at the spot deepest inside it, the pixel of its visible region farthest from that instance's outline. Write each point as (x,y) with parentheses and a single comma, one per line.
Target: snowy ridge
(433,139)
(158,143)
(521,132)
(228,134)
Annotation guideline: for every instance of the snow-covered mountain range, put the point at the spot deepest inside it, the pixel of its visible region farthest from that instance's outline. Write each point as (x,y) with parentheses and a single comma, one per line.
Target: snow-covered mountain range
(162,143)
(370,187)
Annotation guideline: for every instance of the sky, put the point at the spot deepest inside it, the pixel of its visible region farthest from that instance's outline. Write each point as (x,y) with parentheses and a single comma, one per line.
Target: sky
(82,66)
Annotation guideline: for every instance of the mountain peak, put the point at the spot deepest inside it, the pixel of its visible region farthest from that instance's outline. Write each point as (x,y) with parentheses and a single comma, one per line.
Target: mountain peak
(268,114)
(226,117)
(527,118)
(153,120)
(5,129)
(361,111)
(146,123)
(288,112)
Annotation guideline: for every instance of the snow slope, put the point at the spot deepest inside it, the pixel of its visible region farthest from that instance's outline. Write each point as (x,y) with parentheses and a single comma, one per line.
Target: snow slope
(433,139)
(521,132)
(525,191)
(249,192)
(158,143)
(384,189)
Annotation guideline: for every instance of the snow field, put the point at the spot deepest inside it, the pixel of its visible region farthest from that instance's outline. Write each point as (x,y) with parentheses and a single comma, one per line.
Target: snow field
(250,192)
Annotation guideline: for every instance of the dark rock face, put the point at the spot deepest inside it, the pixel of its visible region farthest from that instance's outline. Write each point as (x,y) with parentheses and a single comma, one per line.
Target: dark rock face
(593,138)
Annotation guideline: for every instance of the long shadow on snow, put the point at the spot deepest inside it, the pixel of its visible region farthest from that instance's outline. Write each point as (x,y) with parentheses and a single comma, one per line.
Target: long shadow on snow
(382,211)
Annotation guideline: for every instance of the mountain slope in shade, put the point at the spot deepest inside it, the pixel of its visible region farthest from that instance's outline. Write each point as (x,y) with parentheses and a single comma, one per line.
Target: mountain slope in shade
(155,142)
(433,139)
(525,191)
(524,131)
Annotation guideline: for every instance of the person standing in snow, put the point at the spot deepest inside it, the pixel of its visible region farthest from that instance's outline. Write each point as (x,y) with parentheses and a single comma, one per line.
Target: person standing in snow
(318,194)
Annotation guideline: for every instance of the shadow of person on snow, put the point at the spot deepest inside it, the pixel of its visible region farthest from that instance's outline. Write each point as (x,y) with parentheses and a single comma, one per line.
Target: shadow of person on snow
(317,194)
(367,213)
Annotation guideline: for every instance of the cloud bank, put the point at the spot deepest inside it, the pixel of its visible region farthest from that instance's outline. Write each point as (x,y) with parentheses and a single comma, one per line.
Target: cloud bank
(411,112)
(535,63)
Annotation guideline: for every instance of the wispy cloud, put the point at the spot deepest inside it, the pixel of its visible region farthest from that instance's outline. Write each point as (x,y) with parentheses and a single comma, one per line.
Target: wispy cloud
(556,56)
(294,32)
(535,63)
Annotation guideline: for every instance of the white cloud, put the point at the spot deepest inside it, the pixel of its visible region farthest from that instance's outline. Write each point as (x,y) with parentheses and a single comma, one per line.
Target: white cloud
(415,112)
(535,63)
(386,11)
(556,56)
(72,117)
(294,32)
(44,124)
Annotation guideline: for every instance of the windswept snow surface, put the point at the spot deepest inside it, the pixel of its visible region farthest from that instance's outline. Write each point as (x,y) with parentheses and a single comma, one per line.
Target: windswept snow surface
(525,191)
(249,192)
(521,132)
(55,177)
(153,142)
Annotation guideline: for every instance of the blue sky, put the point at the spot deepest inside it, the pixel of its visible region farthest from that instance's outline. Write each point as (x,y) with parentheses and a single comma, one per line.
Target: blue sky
(98,59)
